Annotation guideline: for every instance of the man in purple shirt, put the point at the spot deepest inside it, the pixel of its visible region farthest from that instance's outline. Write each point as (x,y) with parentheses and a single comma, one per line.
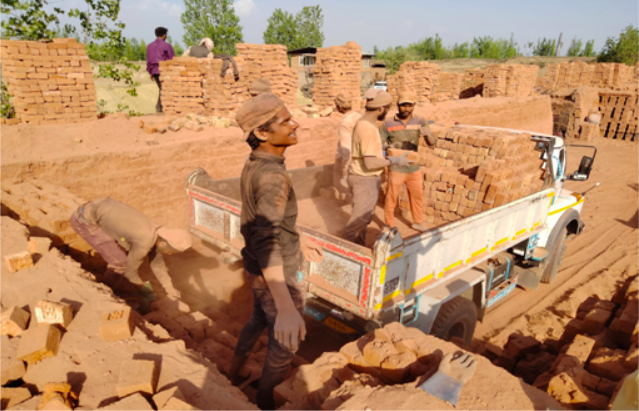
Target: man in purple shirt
(156,52)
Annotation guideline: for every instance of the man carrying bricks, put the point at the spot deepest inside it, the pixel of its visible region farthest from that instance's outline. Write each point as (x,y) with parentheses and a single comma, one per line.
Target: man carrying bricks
(111,227)
(367,164)
(343,153)
(158,51)
(404,132)
(273,245)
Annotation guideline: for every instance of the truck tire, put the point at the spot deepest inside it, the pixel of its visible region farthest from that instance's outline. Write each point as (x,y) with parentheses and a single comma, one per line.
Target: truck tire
(555,258)
(456,318)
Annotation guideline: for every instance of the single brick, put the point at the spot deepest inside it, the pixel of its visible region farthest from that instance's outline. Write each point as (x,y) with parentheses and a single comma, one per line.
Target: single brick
(117,325)
(19,261)
(595,320)
(38,343)
(137,376)
(12,369)
(581,347)
(13,396)
(519,345)
(39,245)
(49,312)
(608,363)
(161,398)
(14,321)
(132,402)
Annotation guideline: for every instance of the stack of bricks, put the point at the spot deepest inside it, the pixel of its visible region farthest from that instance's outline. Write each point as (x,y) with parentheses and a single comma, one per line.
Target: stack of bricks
(420,77)
(619,115)
(51,83)
(573,74)
(470,171)
(509,80)
(615,76)
(448,87)
(191,85)
(337,70)
(182,90)
(472,83)
(270,62)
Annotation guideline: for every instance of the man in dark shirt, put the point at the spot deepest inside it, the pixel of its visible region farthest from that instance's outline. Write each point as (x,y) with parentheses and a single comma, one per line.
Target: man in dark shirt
(273,245)
(158,51)
(404,131)
(112,228)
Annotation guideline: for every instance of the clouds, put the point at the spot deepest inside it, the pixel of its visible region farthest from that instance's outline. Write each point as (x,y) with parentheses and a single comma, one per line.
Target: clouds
(244,7)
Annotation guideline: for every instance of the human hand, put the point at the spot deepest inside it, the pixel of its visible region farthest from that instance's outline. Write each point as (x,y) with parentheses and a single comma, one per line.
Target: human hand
(151,77)
(460,368)
(400,161)
(311,251)
(289,328)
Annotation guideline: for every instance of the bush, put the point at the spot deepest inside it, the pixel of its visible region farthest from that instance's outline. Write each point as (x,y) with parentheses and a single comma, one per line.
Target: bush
(625,49)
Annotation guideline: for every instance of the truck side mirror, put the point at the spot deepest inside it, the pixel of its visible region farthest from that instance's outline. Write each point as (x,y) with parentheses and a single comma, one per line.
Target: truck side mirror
(585,167)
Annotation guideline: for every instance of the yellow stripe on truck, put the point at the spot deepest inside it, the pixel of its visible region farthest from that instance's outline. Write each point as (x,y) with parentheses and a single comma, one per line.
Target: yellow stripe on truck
(566,208)
(476,253)
(387,298)
(418,282)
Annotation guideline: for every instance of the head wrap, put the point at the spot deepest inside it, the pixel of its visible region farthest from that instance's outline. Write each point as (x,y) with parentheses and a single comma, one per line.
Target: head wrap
(208,43)
(343,101)
(259,86)
(177,239)
(381,99)
(371,93)
(407,97)
(257,111)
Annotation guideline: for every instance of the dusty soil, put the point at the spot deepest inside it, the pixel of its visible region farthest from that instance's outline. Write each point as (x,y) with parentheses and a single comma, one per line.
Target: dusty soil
(597,260)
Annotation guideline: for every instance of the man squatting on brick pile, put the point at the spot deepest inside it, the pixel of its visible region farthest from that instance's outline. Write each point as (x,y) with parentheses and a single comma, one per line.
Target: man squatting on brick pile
(273,245)
(204,50)
(158,51)
(111,227)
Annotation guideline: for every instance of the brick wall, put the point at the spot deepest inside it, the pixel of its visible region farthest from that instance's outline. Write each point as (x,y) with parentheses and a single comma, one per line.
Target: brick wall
(619,115)
(472,83)
(448,87)
(509,80)
(615,76)
(191,85)
(337,70)
(50,82)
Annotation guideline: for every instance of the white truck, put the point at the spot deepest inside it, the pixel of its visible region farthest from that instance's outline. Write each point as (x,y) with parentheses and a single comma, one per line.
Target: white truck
(440,281)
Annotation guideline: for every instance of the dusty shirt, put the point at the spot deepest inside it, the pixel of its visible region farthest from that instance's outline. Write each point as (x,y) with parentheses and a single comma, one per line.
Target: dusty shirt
(132,230)
(346,127)
(366,143)
(395,131)
(269,214)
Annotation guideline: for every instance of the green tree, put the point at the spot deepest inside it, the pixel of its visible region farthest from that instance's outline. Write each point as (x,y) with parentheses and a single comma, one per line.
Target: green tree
(395,56)
(544,47)
(575,47)
(142,50)
(177,49)
(296,31)
(625,49)
(430,48)
(98,21)
(309,22)
(459,51)
(589,49)
(215,19)
(281,29)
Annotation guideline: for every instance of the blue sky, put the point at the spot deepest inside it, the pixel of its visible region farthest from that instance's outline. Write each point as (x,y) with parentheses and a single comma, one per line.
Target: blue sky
(388,23)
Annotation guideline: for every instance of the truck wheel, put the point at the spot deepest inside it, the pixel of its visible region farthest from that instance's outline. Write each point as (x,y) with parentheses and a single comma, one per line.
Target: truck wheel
(555,259)
(456,318)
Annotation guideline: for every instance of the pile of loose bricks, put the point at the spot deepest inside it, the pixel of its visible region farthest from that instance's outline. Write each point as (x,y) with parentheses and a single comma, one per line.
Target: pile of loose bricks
(195,86)
(586,367)
(420,77)
(51,83)
(614,76)
(509,80)
(33,337)
(470,171)
(337,70)
(48,208)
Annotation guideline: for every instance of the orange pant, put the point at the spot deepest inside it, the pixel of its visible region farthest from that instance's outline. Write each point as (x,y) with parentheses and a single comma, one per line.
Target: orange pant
(415,186)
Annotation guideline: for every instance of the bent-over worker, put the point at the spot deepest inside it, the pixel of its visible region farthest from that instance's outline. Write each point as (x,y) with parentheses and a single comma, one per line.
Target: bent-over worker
(343,153)
(204,50)
(272,252)
(404,131)
(111,227)
(367,165)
